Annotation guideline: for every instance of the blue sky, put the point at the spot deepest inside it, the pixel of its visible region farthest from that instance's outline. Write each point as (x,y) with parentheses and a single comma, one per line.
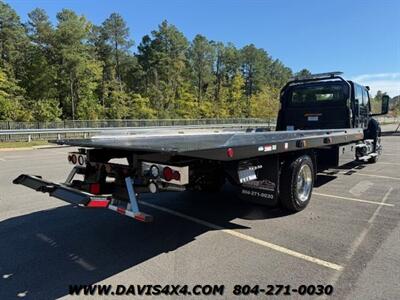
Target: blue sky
(358,37)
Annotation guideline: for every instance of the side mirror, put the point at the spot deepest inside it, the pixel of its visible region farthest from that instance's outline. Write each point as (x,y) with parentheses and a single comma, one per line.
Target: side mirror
(380,107)
(385,104)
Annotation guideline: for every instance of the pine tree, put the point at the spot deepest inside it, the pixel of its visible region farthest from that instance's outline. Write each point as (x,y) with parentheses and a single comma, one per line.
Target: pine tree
(116,34)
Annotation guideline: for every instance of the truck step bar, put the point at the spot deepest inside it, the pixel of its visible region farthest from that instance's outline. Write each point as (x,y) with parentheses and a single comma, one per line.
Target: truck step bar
(81,198)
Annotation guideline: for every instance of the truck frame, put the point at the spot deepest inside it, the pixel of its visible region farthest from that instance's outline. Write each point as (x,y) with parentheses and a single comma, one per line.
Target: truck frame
(268,167)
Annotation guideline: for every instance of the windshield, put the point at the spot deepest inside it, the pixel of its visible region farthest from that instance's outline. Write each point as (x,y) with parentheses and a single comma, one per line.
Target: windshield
(317,95)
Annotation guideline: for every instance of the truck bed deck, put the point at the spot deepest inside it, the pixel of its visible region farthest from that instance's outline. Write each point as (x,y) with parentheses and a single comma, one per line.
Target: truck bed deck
(214,145)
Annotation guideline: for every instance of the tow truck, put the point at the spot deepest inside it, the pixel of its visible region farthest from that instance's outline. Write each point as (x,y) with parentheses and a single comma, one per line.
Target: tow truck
(324,122)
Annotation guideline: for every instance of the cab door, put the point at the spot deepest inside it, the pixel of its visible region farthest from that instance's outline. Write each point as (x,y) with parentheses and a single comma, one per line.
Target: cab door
(360,106)
(365,109)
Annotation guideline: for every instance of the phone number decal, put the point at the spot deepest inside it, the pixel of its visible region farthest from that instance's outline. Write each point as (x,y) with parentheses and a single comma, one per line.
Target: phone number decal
(285,290)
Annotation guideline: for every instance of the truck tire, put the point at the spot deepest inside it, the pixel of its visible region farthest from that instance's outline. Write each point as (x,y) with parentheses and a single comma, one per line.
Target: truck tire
(296,183)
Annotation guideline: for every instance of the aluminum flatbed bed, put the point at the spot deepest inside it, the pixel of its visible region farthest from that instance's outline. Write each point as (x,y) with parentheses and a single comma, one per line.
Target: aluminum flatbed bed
(213,146)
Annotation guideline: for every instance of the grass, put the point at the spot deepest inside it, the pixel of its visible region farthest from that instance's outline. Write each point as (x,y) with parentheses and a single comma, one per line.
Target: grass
(22,144)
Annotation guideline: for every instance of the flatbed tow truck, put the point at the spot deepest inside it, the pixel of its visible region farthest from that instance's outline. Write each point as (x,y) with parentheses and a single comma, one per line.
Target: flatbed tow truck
(324,121)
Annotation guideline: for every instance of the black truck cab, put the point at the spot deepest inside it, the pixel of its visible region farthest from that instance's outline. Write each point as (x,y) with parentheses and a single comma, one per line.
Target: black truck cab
(325,101)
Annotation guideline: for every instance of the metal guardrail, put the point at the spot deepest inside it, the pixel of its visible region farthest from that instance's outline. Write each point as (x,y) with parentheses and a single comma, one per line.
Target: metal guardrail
(28,131)
(62,133)
(10,125)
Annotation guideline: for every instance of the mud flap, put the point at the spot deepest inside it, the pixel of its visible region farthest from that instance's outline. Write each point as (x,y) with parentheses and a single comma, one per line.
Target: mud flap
(258,180)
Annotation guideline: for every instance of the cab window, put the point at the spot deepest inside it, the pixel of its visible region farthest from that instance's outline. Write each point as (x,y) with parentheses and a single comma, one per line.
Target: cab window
(359,94)
(365,98)
(317,95)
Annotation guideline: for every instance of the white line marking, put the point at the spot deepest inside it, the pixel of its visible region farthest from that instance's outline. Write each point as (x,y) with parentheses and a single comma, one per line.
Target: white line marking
(353,199)
(248,238)
(360,188)
(357,242)
(380,205)
(386,163)
(359,239)
(378,176)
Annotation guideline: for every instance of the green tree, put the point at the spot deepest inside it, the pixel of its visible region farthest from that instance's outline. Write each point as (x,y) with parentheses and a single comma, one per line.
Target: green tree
(201,59)
(265,104)
(254,65)
(303,73)
(13,41)
(89,72)
(11,100)
(278,74)
(46,110)
(162,58)
(116,33)
(236,105)
(89,109)
(40,30)
(139,107)
(41,68)
(78,73)
(117,100)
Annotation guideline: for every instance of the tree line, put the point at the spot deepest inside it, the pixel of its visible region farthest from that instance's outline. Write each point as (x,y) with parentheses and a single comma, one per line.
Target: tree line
(75,69)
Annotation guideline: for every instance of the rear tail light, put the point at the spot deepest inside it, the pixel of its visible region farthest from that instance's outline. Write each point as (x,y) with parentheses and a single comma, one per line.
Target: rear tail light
(77,158)
(230,152)
(94,188)
(156,172)
(176,175)
(168,174)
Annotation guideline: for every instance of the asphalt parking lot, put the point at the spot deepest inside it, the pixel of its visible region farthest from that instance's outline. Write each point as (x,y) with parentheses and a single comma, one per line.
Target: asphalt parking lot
(349,236)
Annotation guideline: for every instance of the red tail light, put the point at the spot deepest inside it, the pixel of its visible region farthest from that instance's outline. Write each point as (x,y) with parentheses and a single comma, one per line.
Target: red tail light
(176,175)
(168,174)
(73,159)
(230,152)
(94,188)
(69,157)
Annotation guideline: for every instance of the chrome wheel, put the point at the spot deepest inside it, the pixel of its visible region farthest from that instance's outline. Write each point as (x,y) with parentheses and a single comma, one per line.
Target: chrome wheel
(304,183)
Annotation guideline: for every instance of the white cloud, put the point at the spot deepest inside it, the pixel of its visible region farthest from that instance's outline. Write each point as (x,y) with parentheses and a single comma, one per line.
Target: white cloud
(385,82)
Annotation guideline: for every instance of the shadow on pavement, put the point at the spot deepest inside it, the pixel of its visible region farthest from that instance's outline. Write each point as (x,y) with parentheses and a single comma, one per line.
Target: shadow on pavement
(43,252)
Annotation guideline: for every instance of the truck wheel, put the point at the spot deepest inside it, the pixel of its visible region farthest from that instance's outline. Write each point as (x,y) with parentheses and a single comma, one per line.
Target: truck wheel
(296,184)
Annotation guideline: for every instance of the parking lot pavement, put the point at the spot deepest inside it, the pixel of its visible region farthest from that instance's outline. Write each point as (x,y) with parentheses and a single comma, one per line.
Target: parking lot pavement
(347,237)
